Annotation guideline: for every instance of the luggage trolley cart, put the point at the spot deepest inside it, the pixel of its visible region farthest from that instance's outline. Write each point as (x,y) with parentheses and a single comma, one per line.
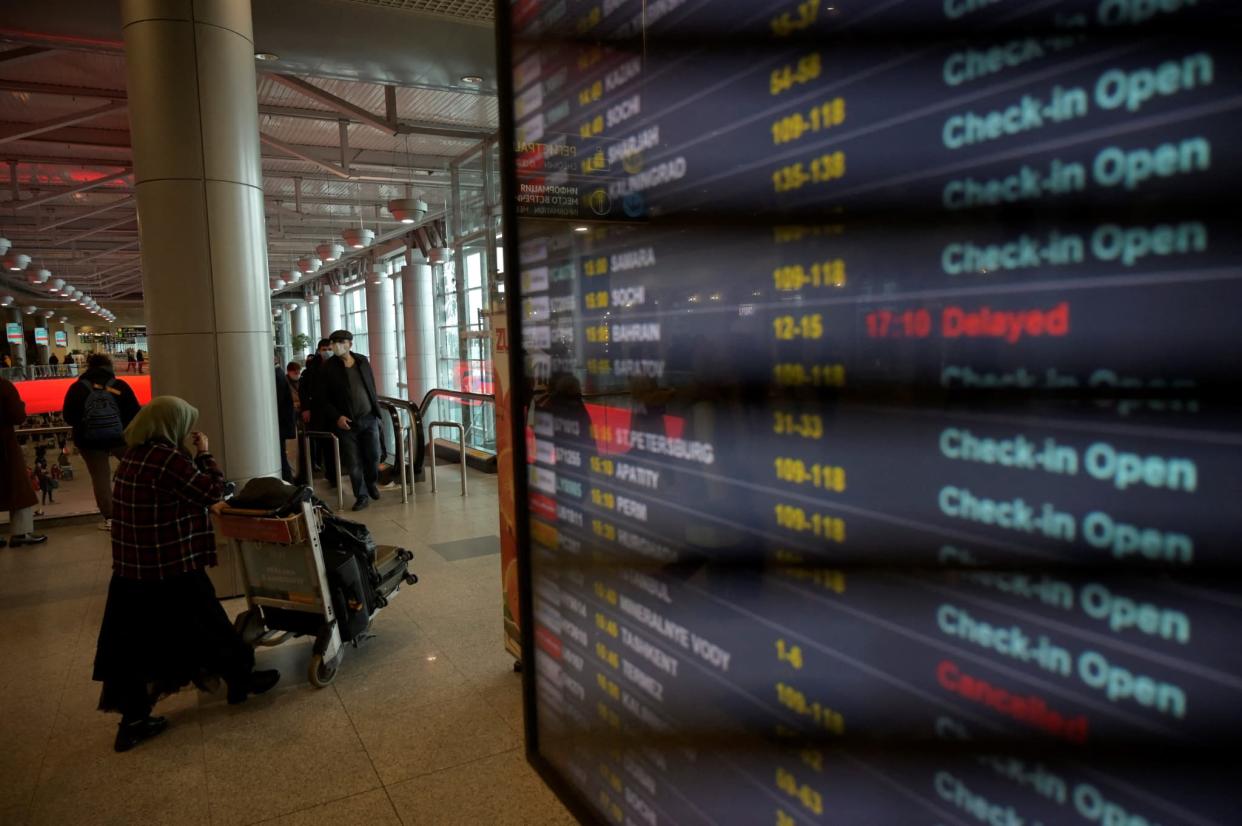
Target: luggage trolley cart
(287,589)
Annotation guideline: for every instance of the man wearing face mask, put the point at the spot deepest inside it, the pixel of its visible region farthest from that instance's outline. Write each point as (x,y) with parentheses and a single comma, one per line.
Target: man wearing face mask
(347,398)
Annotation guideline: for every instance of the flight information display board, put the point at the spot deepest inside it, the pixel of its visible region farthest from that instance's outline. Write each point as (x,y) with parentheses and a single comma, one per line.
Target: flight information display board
(879,362)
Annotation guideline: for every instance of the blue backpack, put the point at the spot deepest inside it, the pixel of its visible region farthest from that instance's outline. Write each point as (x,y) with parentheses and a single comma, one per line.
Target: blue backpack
(101,414)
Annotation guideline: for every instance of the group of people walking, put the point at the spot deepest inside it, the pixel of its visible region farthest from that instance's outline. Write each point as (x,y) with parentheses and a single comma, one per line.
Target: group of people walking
(336,394)
(135,360)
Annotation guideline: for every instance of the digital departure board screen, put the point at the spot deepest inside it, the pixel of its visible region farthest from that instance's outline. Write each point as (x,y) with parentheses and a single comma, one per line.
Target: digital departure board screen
(879,362)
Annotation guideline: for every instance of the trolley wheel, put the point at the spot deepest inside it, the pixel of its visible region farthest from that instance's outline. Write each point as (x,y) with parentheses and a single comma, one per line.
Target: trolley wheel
(249,626)
(320,673)
(411,579)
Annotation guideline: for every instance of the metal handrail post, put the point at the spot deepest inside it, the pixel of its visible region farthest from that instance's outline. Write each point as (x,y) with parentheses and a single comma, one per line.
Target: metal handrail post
(310,461)
(336,451)
(398,444)
(461,441)
(412,432)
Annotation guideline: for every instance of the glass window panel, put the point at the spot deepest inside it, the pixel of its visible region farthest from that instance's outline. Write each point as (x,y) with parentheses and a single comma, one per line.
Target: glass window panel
(474,270)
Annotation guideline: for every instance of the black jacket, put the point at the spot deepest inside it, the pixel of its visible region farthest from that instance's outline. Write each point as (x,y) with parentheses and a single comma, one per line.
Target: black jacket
(75,401)
(308,392)
(286,414)
(331,393)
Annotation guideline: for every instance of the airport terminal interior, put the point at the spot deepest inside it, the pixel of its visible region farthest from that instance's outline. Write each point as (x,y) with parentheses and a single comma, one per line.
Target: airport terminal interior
(628,412)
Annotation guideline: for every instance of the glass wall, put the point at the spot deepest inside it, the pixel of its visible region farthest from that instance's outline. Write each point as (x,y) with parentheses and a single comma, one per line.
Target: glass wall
(354,317)
(314,326)
(466,289)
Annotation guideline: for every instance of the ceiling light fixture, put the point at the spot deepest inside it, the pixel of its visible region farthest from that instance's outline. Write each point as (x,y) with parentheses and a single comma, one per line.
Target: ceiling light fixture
(16,262)
(6,301)
(276,282)
(407,210)
(473,80)
(582,229)
(266,57)
(309,265)
(56,285)
(359,238)
(5,244)
(329,252)
(39,276)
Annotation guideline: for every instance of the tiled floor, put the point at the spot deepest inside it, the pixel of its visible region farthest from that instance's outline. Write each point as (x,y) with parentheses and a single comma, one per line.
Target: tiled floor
(422,726)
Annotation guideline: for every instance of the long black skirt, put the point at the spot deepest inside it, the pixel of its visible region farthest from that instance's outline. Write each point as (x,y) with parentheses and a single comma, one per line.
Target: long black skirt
(159,636)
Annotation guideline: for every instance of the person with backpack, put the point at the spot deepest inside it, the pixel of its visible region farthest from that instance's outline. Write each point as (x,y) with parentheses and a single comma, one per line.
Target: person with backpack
(142,358)
(99,407)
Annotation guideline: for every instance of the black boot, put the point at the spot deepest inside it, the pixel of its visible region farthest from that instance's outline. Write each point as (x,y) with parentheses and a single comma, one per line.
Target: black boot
(130,734)
(256,682)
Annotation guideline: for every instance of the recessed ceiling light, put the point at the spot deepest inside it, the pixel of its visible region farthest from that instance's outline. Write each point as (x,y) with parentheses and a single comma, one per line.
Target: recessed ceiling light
(266,56)
(474,80)
(582,229)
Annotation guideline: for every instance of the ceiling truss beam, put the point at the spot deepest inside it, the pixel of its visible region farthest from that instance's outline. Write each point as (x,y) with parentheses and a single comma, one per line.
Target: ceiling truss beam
(69,239)
(32,129)
(51,196)
(337,104)
(91,214)
(12,57)
(289,149)
(439,130)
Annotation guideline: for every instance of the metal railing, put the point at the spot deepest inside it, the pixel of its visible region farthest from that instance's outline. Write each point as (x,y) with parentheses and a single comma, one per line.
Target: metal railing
(400,447)
(406,434)
(436,392)
(461,441)
(440,392)
(35,372)
(307,435)
(41,431)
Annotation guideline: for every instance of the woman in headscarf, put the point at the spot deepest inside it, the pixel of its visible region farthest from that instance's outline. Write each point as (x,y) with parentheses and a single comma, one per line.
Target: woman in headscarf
(163,627)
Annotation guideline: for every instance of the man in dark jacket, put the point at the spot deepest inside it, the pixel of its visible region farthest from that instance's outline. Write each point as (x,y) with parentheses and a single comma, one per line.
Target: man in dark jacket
(287,416)
(308,390)
(347,402)
(99,407)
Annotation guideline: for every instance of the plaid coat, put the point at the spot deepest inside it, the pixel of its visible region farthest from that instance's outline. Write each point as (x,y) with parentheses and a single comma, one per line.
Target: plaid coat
(161,526)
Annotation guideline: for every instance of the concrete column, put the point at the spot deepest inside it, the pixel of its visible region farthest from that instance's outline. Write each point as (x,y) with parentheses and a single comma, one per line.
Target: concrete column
(194,130)
(301,326)
(418,298)
(381,334)
(17,350)
(329,314)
